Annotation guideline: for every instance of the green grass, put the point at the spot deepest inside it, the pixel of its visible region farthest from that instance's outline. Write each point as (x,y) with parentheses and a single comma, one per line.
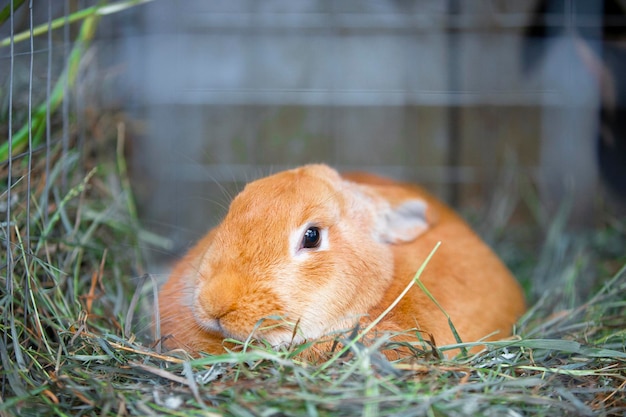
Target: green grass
(77,339)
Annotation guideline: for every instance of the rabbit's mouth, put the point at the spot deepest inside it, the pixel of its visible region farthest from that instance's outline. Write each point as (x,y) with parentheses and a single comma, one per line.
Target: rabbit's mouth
(274,329)
(212,325)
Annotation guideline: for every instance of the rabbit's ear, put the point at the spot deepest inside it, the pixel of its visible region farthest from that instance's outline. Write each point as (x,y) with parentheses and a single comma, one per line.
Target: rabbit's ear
(402,223)
(396,222)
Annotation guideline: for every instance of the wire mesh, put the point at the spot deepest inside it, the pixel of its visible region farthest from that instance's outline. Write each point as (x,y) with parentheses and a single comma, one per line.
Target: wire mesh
(36,96)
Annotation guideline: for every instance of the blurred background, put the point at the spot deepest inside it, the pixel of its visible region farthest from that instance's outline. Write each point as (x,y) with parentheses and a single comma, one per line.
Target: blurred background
(509,110)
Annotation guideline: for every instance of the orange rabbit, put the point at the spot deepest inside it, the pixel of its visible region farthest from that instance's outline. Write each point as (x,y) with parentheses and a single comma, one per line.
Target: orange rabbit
(315,250)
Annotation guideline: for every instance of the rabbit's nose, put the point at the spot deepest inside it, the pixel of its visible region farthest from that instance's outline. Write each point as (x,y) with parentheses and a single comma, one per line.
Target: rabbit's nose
(218,298)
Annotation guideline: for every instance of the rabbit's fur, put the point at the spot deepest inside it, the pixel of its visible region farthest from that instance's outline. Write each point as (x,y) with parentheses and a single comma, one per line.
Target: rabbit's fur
(374,235)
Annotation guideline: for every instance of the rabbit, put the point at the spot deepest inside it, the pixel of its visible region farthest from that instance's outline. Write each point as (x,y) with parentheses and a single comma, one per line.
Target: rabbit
(307,252)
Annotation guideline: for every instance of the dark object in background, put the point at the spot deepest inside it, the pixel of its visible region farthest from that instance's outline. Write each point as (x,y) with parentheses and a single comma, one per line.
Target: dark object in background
(612,134)
(604,57)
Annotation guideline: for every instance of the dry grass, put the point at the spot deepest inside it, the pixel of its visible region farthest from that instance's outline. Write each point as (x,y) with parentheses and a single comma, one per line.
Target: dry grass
(76,337)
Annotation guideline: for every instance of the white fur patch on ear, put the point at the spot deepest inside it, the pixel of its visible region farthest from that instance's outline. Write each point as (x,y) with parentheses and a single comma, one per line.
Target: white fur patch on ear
(403,223)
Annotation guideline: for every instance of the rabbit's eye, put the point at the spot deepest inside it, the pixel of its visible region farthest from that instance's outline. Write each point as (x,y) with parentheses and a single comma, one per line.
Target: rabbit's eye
(312,238)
